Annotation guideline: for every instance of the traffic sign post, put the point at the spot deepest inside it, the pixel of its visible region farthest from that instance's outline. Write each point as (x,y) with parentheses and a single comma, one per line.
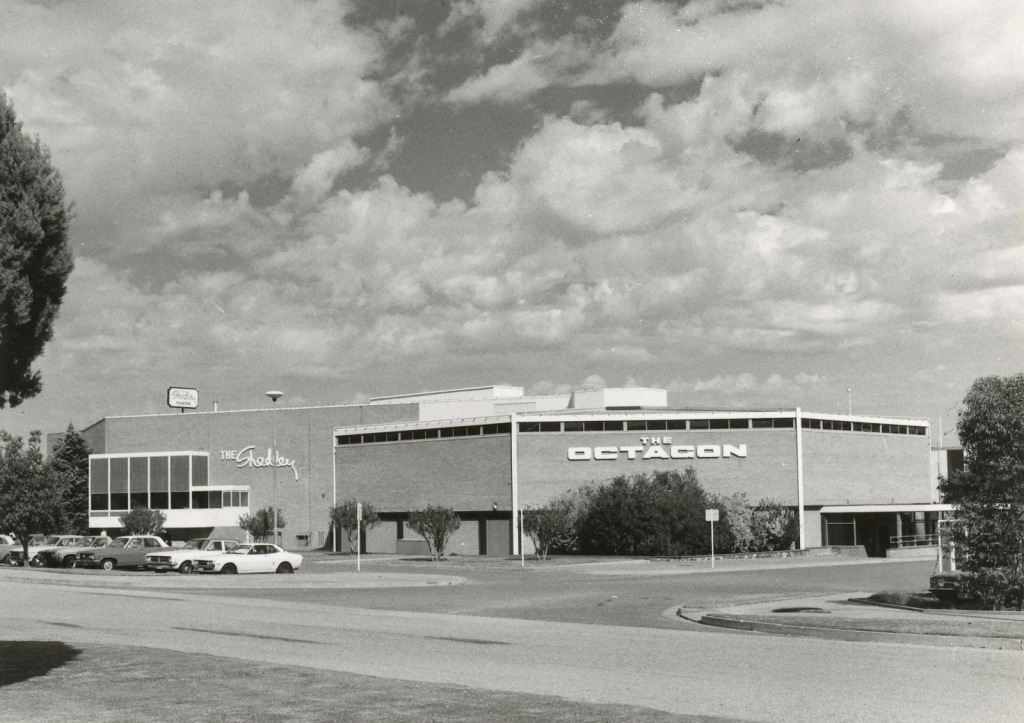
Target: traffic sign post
(712,517)
(359,521)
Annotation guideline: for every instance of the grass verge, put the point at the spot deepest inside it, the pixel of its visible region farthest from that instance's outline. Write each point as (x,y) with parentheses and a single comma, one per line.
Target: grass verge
(50,681)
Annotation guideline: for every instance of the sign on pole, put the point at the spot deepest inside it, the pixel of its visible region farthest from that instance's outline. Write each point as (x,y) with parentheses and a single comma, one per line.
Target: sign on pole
(712,517)
(359,542)
(182,398)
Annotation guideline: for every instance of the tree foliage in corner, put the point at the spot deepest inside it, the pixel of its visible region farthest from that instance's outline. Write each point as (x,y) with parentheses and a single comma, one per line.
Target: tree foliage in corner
(31,490)
(436,525)
(343,516)
(70,457)
(143,521)
(989,494)
(35,259)
(260,524)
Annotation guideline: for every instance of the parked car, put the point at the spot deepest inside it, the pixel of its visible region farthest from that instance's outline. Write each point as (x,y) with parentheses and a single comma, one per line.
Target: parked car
(182,559)
(34,547)
(251,557)
(947,585)
(125,551)
(6,550)
(65,556)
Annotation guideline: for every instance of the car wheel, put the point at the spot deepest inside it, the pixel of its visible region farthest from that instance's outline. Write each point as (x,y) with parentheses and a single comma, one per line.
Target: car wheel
(284,567)
(186,568)
(229,569)
(68,562)
(108,564)
(36,561)
(6,560)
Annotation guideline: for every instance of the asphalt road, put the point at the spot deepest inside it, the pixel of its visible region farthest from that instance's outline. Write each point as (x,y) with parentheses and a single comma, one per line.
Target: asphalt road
(477,635)
(631,593)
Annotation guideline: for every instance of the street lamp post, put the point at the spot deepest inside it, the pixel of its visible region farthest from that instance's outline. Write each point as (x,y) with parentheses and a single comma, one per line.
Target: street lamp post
(274,396)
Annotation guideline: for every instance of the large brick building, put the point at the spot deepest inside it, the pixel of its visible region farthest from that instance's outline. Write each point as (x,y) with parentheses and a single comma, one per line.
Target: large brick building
(488,452)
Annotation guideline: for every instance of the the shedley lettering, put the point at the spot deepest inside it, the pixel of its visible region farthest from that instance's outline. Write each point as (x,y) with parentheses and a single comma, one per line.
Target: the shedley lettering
(245,458)
(657,448)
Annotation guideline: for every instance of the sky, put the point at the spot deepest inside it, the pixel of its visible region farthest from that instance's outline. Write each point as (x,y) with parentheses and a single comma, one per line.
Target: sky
(749,203)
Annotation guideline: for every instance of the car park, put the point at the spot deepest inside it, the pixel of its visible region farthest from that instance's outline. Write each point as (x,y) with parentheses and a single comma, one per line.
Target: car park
(251,557)
(182,559)
(16,557)
(124,551)
(66,556)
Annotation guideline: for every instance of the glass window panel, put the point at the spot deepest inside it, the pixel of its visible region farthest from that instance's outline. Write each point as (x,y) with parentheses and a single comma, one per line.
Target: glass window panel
(138,467)
(656,425)
(551,426)
(637,425)
(201,500)
(593,426)
(700,424)
(158,500)
(613,426)
(200,470)
(216,500)
(245,499)
(391,437)
(739,423)
(99,476)
(119,474)
(119,501)
(433,433)
(718,424)
(676,424)
(529,426)
(179,500)
(179,474)
(573,426)
(158,471)
(461,431)
(761,423)
(782,422)
(99,502)
(139,499)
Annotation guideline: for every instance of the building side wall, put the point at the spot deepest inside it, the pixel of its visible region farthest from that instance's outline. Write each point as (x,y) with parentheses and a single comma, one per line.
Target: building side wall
(767,472)
(461,473)
(851,468)
(304,437)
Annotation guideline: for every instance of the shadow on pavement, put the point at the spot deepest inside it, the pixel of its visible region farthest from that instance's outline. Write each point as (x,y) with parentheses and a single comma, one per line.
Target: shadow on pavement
(21,660)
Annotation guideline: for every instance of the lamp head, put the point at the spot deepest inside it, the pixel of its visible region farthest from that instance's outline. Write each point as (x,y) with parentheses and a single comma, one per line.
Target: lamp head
(274,396)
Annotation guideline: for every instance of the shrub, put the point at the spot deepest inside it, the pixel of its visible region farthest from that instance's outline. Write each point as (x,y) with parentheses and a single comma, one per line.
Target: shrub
(143,521)
(647,514)
(260,524)
(553,525)
(343,516)
(436,525)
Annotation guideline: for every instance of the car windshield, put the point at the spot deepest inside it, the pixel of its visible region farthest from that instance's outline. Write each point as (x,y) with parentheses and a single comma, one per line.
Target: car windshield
(67,542)
(100,542)
(52,540)
(240,550)
(119,542)
(193,545)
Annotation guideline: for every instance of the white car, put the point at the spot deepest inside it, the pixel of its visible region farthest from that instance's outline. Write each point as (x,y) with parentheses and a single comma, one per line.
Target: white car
(182,558)
(251,557)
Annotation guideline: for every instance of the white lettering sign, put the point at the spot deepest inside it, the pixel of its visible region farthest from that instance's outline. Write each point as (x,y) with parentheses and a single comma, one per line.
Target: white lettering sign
(657,448)
(245,458)
(182,398)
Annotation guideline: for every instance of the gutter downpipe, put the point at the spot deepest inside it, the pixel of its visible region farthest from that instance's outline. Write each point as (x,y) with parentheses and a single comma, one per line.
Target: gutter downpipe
(800,475)
(515,483)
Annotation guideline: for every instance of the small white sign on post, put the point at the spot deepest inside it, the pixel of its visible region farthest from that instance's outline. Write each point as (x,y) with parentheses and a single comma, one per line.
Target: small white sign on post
(712,517)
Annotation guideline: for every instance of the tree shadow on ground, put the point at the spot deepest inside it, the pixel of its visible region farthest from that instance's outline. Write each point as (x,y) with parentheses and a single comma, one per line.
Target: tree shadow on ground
(24,659)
